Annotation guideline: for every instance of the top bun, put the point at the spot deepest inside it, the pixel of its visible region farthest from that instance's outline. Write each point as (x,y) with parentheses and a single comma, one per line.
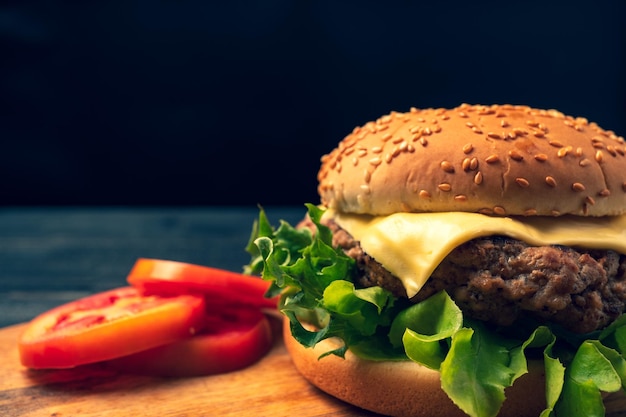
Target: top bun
(498,160)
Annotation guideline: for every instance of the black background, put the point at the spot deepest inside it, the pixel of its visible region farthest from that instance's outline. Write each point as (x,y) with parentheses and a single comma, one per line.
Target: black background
(233,102)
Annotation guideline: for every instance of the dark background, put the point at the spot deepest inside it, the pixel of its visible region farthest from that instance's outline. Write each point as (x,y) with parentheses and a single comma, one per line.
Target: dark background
(233,102)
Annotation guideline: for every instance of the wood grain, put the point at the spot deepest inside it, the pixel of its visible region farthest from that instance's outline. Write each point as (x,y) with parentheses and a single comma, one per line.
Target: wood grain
(271,387)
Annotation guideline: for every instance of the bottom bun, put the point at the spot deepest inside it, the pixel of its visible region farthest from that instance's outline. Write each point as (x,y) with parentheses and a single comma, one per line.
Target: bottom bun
(403,388)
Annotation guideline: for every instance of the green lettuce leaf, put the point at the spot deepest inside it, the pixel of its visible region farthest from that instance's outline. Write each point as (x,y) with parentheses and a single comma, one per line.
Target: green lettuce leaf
(477,362)
(423,328)
(595,369)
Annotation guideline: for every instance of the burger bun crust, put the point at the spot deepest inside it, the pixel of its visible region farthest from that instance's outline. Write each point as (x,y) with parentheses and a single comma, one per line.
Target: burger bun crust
(497,160)
(401,388)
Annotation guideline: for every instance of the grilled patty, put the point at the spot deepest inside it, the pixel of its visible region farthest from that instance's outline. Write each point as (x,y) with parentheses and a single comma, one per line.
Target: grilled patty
(499,279)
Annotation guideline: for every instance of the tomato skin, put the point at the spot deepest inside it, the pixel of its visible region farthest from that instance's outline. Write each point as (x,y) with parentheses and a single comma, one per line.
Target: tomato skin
(219,286)
(231,341)
(106,325)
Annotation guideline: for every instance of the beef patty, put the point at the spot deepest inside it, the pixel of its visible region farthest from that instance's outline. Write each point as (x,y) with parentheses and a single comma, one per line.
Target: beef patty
(499,279)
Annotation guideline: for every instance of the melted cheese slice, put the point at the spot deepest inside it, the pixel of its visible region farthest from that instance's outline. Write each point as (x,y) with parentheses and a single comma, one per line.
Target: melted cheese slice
(411,245)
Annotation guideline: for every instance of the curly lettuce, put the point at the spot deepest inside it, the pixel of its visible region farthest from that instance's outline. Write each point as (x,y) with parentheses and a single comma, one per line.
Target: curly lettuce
(476,361)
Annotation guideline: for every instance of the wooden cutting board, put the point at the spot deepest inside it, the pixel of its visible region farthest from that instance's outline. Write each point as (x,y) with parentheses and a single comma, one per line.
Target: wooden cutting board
(271,387)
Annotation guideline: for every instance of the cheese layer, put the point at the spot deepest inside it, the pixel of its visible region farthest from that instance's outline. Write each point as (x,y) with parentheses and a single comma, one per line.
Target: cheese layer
(411,245)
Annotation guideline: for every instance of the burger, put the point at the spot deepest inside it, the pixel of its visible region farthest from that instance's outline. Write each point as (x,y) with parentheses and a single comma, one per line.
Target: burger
(465,261)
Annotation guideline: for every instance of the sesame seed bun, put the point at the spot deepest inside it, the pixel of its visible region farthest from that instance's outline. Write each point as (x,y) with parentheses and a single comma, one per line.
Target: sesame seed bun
(500,159)
(404,388)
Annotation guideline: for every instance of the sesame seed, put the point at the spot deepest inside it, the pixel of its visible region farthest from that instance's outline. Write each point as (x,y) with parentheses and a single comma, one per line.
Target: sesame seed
(486,211)
(388,158)
(473,163)
(460,197)
(511,135)
(532,123)
(541,157)
(522,182)
(367,176)
(467,148)
(444,186)
(437,129)
(385,119)
(515,155)
(550,181)
(599,155)
(499,210)
(424,194)
(428,131)
(362,152)
(462,114)
(598,145)
(403,145)
(590,200)
(416,137)
(477,130)
(380,128)
(605,193)
(530,212)
(386,137)
(555,213)
(478,178)
(355,161)
(578,187)
(494,135)
(469,124)
(465,164)
(377,149)
(423,141)
(539,134)
(366,188)
(563,151)
(504,123)
(611,149)
(520,132)
(375,161)
(491,159)
(447,167)
(555,143)
(415,129)
(579,151)
(584,162)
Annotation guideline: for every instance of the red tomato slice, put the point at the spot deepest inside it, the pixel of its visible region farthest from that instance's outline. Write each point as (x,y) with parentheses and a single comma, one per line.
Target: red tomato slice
(232,340)
(108,325)
(220,286)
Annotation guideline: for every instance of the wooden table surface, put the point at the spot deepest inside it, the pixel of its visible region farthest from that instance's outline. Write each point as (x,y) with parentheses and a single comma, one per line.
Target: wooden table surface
(51,256)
